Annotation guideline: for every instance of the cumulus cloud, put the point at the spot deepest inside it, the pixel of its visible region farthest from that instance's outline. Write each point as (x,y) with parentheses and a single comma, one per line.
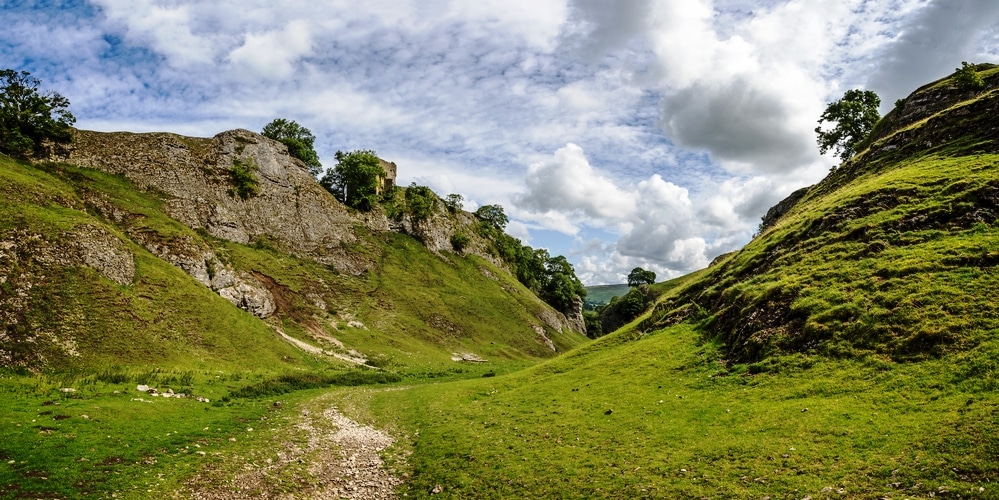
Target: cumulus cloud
(567,183)
(272,54)
(932,43)
(695,115)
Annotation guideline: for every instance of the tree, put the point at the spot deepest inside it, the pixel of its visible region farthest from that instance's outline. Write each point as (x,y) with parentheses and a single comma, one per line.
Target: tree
(27,117)
(298,139)
(560,286)
(354,179)
(639,276)
(493,215)
(967,77)
(855,116)
(453,202)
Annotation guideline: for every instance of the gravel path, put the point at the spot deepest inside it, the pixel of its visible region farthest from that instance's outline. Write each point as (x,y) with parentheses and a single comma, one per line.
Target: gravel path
(332,456)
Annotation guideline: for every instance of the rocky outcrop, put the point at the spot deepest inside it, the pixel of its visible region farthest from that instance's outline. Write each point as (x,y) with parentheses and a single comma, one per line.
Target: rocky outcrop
(243,290)
(777,211)
(104,252)
(289,209)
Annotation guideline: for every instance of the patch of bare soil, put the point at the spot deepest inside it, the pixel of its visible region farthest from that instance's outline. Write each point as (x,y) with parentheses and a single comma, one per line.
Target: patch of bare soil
(328,456)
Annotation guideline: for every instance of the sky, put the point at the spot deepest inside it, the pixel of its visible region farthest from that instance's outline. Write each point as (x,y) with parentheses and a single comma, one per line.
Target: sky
(621,134)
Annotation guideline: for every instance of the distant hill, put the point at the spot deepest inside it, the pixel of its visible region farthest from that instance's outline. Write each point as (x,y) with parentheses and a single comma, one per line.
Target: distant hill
(599,295)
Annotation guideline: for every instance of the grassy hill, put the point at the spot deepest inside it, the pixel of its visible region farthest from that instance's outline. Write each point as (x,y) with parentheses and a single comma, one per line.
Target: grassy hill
(848,351)
(93,307)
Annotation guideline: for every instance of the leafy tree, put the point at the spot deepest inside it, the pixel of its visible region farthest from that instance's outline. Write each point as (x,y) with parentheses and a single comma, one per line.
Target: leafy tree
(420,201)
(354,179)
(299,140)
(855,116)
(639,276)
(453,202)
(493,216)
(967,77)
(560,286)
(28,117)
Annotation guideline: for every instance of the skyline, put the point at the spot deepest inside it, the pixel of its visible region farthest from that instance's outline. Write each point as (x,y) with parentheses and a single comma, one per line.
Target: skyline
(644,133)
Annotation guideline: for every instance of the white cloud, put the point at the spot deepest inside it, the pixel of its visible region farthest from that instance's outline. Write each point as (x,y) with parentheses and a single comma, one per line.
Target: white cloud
(568,184)
(273,54)
(695,115)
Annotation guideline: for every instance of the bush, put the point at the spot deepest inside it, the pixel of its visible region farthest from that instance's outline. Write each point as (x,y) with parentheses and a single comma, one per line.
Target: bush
(243,176)
(420,201)
(459,241)
(967,77)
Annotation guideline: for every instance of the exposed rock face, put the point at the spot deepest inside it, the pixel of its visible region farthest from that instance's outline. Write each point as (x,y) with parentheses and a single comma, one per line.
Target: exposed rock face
(777,211)
(104,252)
(242,289)
(290,207)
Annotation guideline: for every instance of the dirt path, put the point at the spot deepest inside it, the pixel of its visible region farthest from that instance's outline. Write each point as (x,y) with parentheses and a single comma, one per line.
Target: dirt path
(329,456)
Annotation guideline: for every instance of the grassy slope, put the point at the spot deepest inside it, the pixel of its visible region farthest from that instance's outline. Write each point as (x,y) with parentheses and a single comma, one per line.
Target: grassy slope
(168,331)
(164,318)
(853,346)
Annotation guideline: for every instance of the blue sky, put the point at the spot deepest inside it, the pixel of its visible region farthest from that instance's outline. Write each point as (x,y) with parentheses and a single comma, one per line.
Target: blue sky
(650,133)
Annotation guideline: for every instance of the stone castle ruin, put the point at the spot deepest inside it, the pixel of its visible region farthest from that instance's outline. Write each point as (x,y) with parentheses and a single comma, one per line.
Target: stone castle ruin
(387,182)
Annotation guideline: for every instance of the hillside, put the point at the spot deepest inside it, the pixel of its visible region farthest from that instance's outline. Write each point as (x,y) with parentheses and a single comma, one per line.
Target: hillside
(134,250)
(848,351)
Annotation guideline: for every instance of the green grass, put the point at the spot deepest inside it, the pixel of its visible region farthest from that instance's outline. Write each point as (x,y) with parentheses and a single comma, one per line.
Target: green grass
(658,416)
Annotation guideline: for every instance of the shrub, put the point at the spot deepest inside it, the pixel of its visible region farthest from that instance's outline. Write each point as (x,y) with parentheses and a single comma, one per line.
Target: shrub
(459,241)
(420,201)
(243,176)
(967,77)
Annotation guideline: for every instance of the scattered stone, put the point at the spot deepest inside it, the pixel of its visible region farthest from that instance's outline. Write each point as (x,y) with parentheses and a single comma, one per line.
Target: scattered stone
(142,388)
(436,490)
(67,389)
(803,410)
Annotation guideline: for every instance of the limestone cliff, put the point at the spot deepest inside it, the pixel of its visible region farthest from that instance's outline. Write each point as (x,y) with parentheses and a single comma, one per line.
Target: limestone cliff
(288,209)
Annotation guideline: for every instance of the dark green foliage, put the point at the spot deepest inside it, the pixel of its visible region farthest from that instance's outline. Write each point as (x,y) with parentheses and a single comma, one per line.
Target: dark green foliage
(855,116)
(453,202)
(298,139)
(493,215)
(553,279)
(967,77)
(593,327)
(559,285)
(420,201)
(459,241)
(243,176)
(27,117)
(622,310)
(639,276)
(354,179)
